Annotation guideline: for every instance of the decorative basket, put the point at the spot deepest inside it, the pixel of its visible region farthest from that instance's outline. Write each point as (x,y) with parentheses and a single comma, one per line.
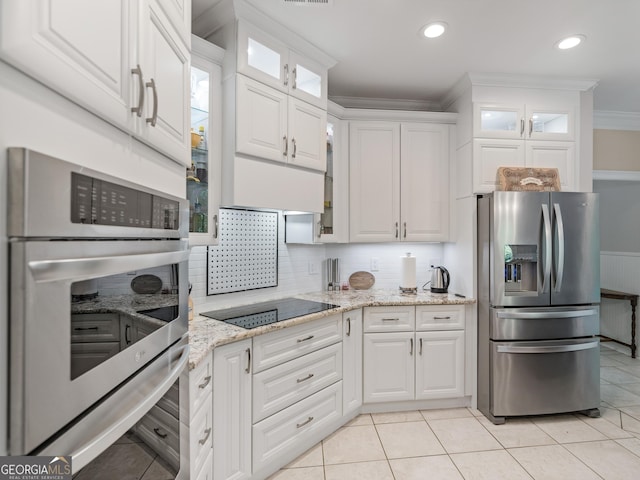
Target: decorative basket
(523,179)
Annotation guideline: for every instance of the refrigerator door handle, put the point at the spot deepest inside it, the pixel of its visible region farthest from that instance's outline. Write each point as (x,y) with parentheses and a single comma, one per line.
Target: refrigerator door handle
(547,247)
(547,315)
(560,270)
(547,349)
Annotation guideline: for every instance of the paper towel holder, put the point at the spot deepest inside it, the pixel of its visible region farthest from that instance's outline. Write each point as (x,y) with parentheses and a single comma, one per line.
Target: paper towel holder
(406,289)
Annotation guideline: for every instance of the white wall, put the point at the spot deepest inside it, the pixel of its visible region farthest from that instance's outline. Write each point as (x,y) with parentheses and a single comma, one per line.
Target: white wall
(293,269)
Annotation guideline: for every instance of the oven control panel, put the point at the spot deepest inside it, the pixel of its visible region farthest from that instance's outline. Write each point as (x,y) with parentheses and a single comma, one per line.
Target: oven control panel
(98,202)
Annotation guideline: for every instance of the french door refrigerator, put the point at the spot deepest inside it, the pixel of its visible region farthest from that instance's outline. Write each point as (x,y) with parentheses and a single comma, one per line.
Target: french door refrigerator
(538,304)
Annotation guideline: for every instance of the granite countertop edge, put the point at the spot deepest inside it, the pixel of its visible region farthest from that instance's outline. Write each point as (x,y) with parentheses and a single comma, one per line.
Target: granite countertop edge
(205,333)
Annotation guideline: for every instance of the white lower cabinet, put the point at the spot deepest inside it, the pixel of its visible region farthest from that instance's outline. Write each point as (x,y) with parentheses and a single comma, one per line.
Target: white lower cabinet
(413,365)
(277,434)
(201,420)
(232,411)
(351,361)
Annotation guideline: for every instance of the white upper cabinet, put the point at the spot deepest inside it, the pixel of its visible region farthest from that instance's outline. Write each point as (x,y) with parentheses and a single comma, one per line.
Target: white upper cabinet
(523,122)
(179,14)
(399,182)
(307,135)
(125,62)
(272,62)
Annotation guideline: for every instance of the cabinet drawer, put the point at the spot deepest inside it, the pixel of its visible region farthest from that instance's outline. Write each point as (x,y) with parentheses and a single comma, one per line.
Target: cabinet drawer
(95,327)
(389,319)
(200,437)
(277,433)
(161,431)
(440,317)
(290,382)
(283,345)
(200,385)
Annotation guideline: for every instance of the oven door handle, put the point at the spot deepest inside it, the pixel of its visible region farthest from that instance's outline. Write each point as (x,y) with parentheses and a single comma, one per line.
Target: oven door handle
(85,268)
(111,419)
(547,315)
(548,349)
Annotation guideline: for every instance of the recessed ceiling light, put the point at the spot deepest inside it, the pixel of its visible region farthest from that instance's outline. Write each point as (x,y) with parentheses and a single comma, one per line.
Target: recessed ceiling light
(570,42)
(434,29)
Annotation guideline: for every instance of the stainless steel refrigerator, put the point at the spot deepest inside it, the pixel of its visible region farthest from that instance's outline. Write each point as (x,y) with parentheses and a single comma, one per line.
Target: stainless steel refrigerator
(538,295)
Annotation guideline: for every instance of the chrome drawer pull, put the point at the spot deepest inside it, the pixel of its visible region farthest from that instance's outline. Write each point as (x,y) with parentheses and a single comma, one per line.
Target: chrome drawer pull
(411,350)
(390,319)
(348,326)
(207,432)
(420,346)
(305,338)
(248,369)
(442,318)
(300,380)
(207,379)
(82,329)
(161,435)
(308,420)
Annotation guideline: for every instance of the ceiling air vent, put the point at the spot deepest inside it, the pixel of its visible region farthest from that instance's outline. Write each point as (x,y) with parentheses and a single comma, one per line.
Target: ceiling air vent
(318,3)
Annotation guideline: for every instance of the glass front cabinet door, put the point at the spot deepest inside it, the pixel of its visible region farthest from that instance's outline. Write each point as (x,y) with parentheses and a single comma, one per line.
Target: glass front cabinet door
(203,175)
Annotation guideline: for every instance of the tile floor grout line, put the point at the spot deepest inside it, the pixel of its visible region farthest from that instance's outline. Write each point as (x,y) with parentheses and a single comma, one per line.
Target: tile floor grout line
(579,459)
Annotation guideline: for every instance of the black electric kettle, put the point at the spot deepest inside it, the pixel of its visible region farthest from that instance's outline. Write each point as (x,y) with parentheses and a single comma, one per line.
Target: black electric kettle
(439,279)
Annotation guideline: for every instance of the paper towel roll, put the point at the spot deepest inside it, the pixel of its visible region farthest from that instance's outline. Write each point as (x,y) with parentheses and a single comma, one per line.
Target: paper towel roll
(408,279)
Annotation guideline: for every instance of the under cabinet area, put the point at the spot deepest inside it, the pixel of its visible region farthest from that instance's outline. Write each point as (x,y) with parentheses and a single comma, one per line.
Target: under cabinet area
(413,353)
(139,84)
(399,181)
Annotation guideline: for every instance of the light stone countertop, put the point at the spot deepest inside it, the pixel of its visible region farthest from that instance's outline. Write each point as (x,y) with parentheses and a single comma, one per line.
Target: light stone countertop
(206,333)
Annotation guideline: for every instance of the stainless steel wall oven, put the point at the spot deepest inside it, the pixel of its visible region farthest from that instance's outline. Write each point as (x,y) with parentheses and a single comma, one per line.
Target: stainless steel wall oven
(98,318)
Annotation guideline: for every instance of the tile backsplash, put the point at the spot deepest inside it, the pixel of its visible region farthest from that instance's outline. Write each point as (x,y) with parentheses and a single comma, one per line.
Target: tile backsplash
(295,262)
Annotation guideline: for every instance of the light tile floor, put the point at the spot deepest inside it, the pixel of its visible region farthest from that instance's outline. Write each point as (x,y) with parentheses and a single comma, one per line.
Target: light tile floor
(462,444)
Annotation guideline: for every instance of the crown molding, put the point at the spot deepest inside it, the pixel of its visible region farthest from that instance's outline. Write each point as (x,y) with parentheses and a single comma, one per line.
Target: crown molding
(386,103)
(531,81)
(609,120)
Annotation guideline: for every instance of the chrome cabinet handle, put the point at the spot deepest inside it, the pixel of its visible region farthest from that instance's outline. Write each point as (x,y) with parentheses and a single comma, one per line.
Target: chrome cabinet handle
(82,329)
(293,83)
(305,338)
(161,435)
(560,270)
(420,346)
(207,379)
(138,110)
(530,127)
(127,334)
(215,226)
(548,349)
(154,116)
(390,319)
(442,318)
(396,229)
(293,143)
(304,379)
(207,432)
(308,420)
(248,369)
(286,146)
(521,126)
(405,230)
(411,349)
(286,75)
(348,326)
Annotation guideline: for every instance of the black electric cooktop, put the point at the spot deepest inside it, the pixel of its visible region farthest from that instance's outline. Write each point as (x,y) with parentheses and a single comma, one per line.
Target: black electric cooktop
(265,313)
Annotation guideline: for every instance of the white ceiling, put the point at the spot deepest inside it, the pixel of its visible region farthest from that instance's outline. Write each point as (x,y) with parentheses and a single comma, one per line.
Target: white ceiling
(380,54)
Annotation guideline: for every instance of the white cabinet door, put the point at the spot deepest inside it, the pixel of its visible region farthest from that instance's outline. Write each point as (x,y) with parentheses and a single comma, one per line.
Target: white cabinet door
(179,13)
(374,180)
(165,62)
(498,121)
(261,120)
(352,361)
(550,154)
(307,127)
(388,367)
(232,411)
(80,49)
(308,80)
(424,182)
(262,57)
(488,155)
(544,123)
(439,364)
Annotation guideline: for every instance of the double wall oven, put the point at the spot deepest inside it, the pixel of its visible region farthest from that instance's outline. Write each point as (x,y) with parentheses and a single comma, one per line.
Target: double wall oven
(98,320)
